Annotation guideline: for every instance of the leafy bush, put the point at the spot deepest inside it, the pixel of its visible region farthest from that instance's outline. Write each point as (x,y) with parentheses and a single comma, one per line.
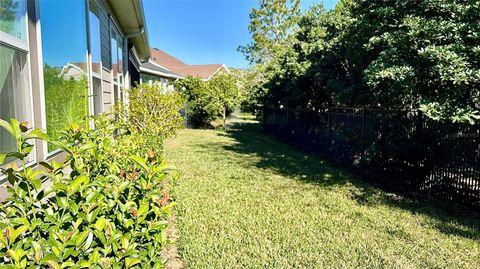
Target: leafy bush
(105,211)
(207,100)
(200,107)
(151,115)
(403,55)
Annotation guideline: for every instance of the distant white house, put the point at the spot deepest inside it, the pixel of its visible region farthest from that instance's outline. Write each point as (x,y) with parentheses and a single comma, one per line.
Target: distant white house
(72,71)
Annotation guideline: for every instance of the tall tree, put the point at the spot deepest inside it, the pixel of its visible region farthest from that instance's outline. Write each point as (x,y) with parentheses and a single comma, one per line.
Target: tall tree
(391,54)
(272,26)
(226,93)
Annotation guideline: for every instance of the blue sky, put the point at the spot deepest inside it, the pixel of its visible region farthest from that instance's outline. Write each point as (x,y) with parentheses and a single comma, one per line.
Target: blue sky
(204,31)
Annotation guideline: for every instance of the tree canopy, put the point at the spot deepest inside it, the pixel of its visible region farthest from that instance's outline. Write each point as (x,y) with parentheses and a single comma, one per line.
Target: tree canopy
(391,54)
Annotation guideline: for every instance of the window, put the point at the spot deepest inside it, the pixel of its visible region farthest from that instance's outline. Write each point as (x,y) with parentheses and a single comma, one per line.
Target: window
(95,46)
(15,99)
(13,18)
(64,50)
(113,51)
(97,96)
(150,79)
(96,57)
(117,64)
(15,94)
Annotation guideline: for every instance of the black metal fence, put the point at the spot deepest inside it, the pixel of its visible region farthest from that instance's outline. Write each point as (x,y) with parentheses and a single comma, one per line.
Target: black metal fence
(402,150)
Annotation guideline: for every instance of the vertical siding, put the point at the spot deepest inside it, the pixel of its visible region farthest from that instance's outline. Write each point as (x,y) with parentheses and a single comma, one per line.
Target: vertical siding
(107,90)
(104,37)
(107,86)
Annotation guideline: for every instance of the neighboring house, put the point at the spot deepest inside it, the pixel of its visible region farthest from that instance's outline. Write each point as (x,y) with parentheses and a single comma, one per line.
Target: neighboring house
(164,61)
(154,73)
(61,60)
(72,71)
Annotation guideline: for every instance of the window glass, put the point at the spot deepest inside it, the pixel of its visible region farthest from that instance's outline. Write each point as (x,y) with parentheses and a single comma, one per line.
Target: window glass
(13,18)
(120,61)
(150,79)
(116,94)
(64,47)
(14,92)
(97,96)
(114,53)
(95,47)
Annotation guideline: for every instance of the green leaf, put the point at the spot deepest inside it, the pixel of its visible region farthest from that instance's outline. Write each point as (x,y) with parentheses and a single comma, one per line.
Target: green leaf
(38,253)
(26,148)
(17,232)
(87,146)
(81,237)
(60,145)
(37,183)
(3,240)
(53,265)
(16,131)
(131,262)
(100,224)
(16,155)
(67,264)
(46,165)
(94,257)
(125,242)
(140,161)
(5,125)
(89,241)
(38,134)
(14,255)
(77,182)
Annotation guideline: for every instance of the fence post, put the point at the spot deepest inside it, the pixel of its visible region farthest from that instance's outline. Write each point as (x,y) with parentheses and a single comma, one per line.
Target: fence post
(274,124)
(329,132)
(363,125)
(363,145)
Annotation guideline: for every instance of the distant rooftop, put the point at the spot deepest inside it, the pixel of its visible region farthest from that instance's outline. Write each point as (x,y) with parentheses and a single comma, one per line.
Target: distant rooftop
(203,71)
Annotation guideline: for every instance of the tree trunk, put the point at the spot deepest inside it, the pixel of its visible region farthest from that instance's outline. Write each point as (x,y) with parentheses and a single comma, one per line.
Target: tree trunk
(224,116)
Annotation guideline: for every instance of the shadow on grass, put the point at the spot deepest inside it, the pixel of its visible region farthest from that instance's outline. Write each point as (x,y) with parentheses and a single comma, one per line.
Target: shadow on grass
(291,162)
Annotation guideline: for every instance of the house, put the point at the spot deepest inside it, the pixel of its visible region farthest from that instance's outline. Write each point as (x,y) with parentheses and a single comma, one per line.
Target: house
(161,63)
(152,72)
(61,60)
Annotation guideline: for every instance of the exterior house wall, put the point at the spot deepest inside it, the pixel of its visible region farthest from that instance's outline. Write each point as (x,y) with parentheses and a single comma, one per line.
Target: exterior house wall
(31,47)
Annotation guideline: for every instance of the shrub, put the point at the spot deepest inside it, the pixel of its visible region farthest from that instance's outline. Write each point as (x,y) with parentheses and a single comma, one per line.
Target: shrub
(200,106)
(153,109)
(206,101)
(151,115)
(106,211)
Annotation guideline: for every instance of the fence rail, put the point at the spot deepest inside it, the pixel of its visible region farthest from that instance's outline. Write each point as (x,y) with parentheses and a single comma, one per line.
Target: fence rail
(403,150)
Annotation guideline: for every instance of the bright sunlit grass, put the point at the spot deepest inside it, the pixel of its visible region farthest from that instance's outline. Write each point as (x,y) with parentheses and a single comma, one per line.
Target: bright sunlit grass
(248,201)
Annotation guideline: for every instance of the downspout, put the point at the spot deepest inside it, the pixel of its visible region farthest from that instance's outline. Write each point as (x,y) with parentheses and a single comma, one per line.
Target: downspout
(127,51)
(131,35)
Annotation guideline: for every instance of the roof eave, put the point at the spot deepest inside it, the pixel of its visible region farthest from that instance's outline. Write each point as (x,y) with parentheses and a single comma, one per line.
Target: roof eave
(135,26)
(158,73)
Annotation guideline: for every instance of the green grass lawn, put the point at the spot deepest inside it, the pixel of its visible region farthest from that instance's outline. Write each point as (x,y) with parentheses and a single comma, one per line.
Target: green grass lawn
(249,201)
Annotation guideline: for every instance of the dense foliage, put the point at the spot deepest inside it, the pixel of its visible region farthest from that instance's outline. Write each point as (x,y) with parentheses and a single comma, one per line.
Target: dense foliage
(105,205)
(151,115)
(208,100)
(105,211)
(385,54)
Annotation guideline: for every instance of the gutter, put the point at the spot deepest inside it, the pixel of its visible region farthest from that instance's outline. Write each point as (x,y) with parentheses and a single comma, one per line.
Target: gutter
(136,29)
(125,44)
(158,73)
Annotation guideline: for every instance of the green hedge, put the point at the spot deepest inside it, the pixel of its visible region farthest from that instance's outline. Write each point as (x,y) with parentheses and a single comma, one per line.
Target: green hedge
(108,210)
